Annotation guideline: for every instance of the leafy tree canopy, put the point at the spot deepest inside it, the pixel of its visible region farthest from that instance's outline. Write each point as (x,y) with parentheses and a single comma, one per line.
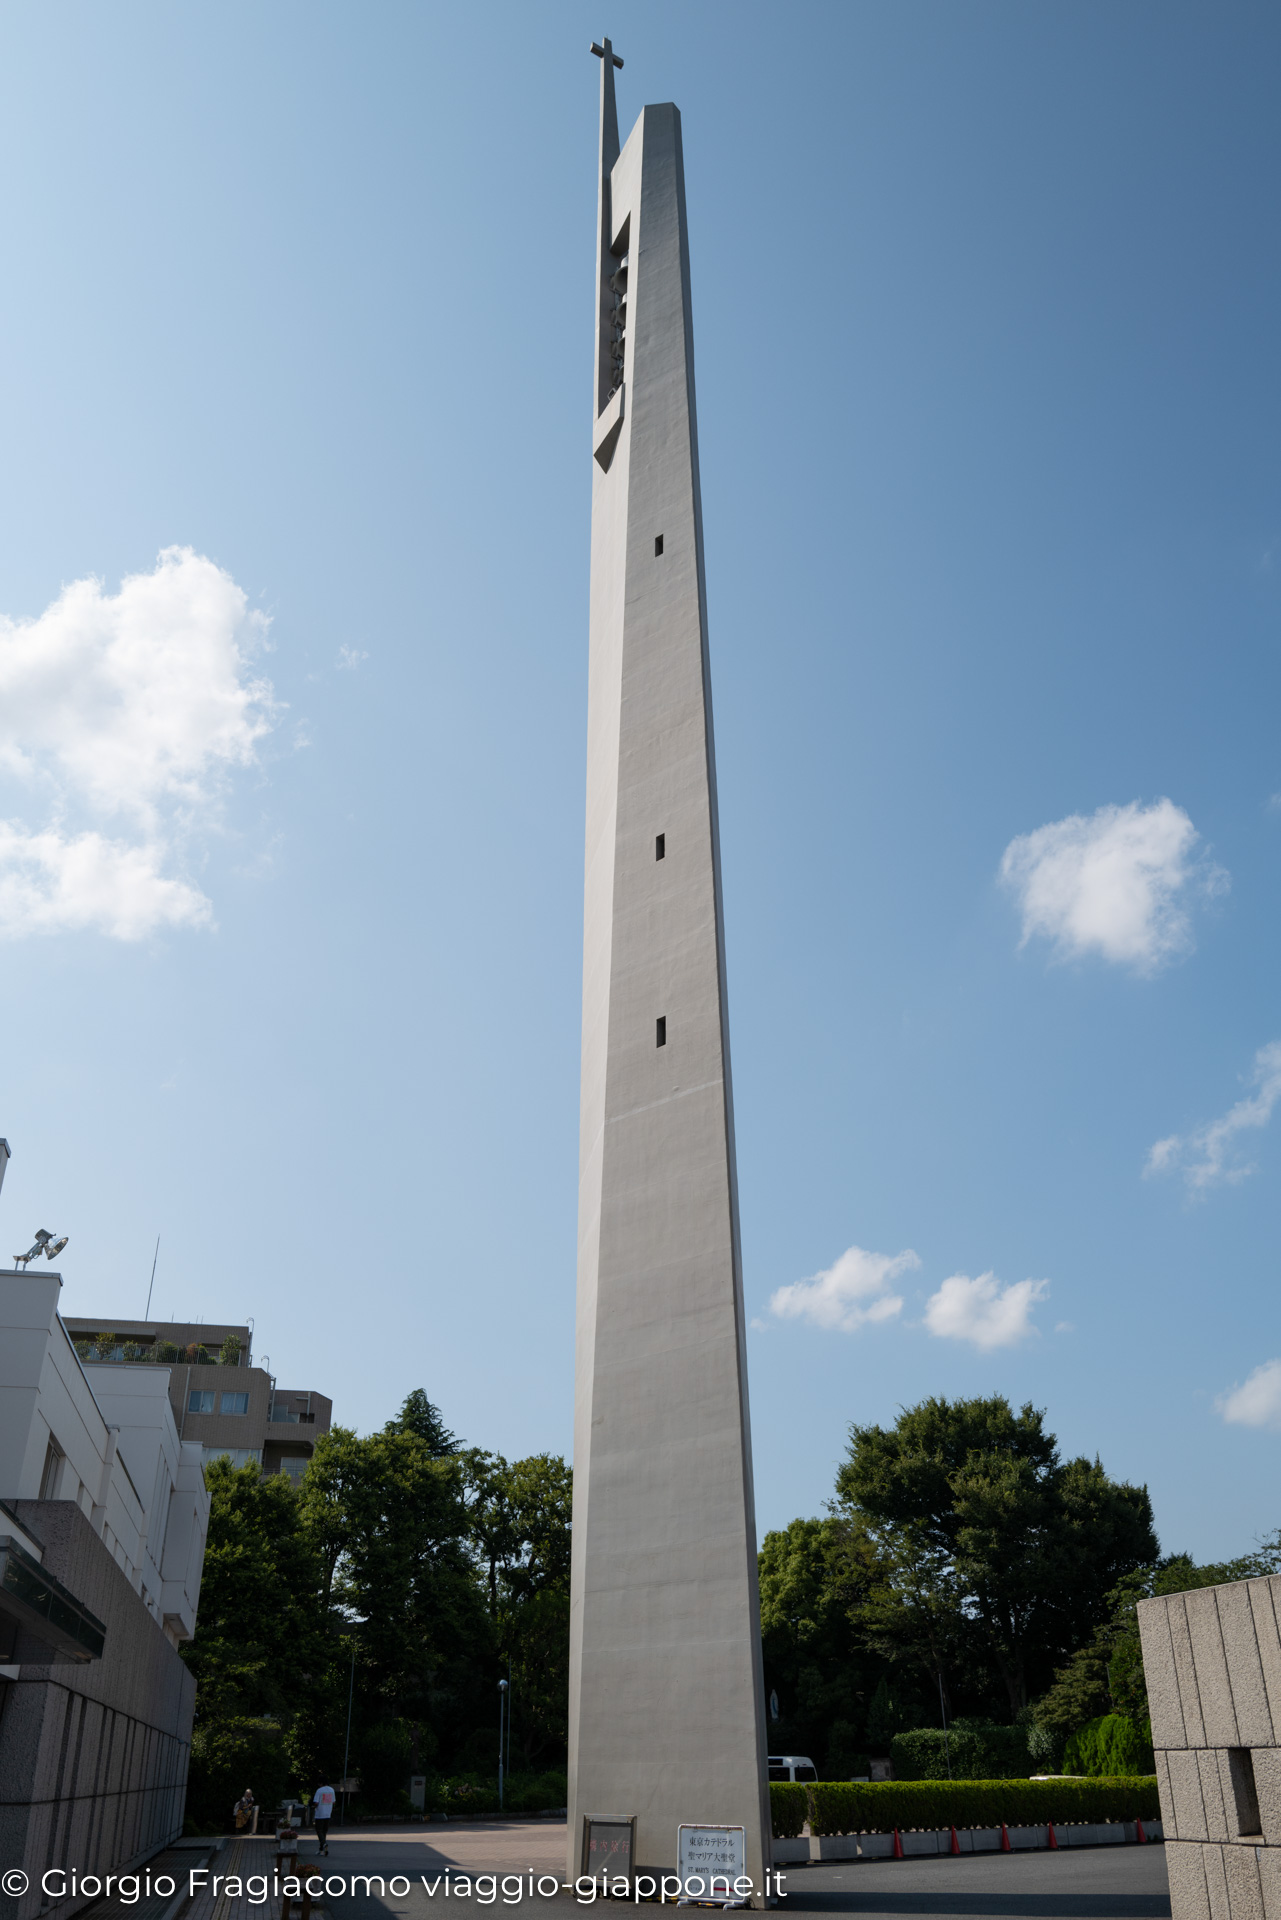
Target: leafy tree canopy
(420,1417)
(990,1547)
(1105,1675)
(402,1573)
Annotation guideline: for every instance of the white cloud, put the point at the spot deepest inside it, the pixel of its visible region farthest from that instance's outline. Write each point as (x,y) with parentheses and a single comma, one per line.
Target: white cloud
(349,658)
(1203,1157)
(848,1294)
(983,1311)
(52,884)
(1257,1402)
(131,708)
(1118,883)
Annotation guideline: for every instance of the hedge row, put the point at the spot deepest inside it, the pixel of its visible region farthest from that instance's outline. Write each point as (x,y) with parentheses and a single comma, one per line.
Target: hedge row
(844,1806)
(789,1804)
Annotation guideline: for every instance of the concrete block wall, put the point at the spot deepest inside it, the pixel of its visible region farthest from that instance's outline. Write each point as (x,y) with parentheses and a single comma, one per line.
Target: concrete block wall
(1212,1659)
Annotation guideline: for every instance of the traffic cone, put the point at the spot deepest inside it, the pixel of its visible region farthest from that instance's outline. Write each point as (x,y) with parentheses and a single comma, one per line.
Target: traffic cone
(1054,1844)
(898,1846)
(956,1845)
(1005,1839)
(1138,1831)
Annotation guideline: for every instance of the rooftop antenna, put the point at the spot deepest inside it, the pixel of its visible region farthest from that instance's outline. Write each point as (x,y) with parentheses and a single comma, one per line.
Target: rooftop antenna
(147,1314)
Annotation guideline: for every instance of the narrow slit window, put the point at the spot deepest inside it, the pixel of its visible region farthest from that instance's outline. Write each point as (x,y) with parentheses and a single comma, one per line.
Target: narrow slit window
(660,1030)
(1244,1791)
(660,846)
(658,545)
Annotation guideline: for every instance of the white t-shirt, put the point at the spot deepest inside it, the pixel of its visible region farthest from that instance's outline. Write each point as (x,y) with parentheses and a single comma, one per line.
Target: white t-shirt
(324,1802)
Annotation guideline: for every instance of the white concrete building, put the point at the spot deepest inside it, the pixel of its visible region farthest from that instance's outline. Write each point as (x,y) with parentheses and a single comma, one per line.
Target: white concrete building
(103,1518)
(110,1445)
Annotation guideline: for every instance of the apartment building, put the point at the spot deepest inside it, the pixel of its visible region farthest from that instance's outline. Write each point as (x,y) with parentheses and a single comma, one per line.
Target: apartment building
(103,1518)
(222,1395)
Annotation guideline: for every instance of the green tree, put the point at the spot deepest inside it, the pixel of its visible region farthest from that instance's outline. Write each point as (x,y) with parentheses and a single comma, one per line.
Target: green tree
(420,1417)
(260,1648)
(992,1548)
(387,1522)
(259,1627)
(814,1574)
(1105,1674)
(401,1571)
(519,1517)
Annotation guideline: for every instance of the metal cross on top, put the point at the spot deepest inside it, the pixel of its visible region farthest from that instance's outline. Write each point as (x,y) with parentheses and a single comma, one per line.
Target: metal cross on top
(606,52)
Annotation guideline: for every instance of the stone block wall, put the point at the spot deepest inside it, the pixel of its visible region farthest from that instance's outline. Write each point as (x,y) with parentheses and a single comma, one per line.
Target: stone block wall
(1212,1659)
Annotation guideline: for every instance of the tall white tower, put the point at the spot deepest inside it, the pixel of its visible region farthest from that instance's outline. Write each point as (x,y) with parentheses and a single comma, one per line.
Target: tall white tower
(666,1718)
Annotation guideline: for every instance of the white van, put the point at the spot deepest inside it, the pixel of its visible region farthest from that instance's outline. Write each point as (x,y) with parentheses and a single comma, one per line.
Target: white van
(791,1766)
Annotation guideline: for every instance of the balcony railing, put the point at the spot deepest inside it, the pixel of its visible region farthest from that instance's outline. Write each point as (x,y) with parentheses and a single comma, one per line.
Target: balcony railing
(165,1353)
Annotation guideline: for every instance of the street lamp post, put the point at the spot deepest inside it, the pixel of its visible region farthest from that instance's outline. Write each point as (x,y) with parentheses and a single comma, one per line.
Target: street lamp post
(502,1710)
(346,1757)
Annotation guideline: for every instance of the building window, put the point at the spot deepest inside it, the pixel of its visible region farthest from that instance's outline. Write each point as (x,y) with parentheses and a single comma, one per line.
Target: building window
(238,1456)
(233,1403)
(52,1464)
(200,1400)
(294,1466)
(281,1410)
(660,1031)
(660,846)
(658,546)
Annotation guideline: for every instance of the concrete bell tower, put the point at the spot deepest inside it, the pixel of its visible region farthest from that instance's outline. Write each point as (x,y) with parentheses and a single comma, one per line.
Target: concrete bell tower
(666,1719)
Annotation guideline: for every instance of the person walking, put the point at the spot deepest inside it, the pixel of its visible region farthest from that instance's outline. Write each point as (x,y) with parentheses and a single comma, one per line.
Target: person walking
(323,1804)
(246,1811)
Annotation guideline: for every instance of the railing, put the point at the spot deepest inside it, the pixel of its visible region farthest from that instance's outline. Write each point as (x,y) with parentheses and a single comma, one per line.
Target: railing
(163,1354)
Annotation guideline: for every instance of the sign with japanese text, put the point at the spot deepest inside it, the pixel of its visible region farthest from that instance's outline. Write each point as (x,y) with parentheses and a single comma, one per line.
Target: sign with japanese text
(709,1860)
(607,1846)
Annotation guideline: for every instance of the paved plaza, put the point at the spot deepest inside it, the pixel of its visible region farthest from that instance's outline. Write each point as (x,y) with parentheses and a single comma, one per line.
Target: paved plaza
(1105,1883)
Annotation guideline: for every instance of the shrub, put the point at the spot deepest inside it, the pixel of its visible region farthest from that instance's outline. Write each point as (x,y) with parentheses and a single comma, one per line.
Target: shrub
(977,1750)
(535,1792)
(789,1808)
(229,1352)
(166,1350)
(878,1807)
(1045,1750)
(1110,1745)
(467,1794)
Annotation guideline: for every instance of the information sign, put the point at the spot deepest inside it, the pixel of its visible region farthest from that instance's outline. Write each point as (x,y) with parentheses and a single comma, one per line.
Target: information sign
(709,1860)
(608,1844)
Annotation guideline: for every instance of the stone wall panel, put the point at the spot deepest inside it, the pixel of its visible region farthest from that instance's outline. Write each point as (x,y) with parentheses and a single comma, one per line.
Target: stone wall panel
(1245,1668)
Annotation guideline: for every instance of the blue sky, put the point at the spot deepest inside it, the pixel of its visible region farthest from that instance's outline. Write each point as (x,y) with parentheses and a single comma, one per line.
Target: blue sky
(986,310)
